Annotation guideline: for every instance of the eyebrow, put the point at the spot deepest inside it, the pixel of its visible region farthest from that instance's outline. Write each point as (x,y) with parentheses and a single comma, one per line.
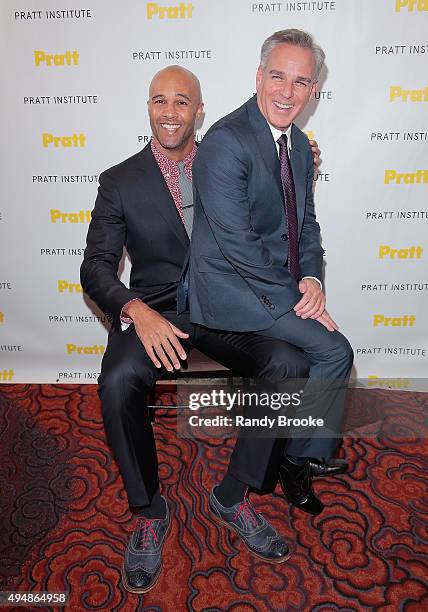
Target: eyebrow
(157,96)
(299,78)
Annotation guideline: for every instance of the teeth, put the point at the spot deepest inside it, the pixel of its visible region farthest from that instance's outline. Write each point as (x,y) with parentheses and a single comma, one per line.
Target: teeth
(170,126)
(285,106)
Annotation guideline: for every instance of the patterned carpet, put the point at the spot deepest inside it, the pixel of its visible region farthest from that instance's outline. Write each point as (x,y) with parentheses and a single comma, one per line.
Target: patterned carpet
(65,520)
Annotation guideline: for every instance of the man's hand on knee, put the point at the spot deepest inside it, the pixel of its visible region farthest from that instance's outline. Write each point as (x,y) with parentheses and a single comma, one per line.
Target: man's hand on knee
(326,320)
(312,303)
(158,336)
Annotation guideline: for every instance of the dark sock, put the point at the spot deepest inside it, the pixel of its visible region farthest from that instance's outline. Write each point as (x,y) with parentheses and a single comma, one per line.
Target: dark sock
(230,491)
(156,509)
(297,460)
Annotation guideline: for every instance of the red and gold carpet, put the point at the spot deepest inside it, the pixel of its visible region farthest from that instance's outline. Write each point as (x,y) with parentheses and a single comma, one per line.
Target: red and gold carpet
(65,519)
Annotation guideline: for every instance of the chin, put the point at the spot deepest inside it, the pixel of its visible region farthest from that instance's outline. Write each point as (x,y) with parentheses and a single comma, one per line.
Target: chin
(168,144)
(279,121)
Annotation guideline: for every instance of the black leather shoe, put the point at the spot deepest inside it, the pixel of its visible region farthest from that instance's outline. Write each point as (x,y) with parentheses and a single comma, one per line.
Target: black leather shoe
(261,539)
(296,484)
(143,555)
(327,467)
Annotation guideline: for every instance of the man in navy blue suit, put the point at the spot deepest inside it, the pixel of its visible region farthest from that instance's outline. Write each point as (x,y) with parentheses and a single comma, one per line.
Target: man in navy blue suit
(256,256)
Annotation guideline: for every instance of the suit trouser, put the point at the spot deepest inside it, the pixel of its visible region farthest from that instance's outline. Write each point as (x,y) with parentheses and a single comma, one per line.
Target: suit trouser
(330,357)
(127,374)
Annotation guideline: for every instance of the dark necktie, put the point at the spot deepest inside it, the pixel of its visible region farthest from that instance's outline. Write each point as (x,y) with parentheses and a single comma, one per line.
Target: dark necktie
(290,207)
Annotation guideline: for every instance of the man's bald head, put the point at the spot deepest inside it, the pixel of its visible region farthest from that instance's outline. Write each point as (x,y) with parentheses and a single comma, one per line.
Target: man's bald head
(175,104)
(177,72)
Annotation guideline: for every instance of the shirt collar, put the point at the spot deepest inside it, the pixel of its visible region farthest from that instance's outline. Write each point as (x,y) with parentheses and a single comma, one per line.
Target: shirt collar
(277,133)
(170,163)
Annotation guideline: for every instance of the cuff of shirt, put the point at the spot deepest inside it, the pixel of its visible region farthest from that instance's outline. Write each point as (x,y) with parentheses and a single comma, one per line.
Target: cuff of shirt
(126,321)
(315,278)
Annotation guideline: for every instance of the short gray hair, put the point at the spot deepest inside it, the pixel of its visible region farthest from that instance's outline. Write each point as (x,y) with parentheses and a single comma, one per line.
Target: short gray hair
(298,38)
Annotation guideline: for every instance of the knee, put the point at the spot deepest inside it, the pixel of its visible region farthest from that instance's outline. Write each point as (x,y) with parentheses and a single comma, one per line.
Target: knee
(342,350)
(118,382)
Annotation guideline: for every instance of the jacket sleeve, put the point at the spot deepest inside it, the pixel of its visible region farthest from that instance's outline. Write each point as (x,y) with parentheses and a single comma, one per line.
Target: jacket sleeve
(310,250)
(104,249)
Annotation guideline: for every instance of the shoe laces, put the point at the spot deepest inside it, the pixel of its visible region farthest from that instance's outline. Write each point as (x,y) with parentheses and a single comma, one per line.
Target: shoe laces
(247,510)
(146,531)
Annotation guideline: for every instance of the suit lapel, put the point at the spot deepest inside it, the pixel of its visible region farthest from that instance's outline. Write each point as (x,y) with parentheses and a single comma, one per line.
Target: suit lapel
(154,183)
(269,153)
(265,142)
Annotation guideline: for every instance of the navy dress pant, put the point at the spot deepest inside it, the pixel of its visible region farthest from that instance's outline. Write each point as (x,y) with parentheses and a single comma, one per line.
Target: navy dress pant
(127,375)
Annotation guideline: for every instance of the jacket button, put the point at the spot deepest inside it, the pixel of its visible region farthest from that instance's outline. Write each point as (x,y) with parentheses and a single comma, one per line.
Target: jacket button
(284,237)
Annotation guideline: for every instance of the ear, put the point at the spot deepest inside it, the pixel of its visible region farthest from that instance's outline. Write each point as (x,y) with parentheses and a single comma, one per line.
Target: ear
(314,88)
(200,109)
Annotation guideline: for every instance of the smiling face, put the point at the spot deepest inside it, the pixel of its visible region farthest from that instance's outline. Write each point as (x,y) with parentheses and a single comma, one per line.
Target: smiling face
(174,106)
(285,85)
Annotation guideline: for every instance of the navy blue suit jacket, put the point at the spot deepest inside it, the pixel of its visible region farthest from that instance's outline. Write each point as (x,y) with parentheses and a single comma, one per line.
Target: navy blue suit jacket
(238,277)
(134,209)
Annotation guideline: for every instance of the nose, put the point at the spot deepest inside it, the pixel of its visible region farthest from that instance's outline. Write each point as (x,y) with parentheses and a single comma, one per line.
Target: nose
(287,88)
(169,110)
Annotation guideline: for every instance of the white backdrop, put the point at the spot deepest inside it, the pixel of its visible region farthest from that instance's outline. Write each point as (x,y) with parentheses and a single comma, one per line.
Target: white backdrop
(74,93)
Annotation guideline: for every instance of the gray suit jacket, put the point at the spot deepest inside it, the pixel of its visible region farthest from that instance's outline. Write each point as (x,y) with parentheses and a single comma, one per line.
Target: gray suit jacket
(238,277)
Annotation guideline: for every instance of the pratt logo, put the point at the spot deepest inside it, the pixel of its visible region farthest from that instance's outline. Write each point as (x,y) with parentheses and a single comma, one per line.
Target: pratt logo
(411,5)
(75,140)
(83,216)
(67,287)
(177,11)
(412,252)
(408,178)
(1,317)
(96,349)
(7,375)
(408,95)
(390,383)
(69,58)
(404,321)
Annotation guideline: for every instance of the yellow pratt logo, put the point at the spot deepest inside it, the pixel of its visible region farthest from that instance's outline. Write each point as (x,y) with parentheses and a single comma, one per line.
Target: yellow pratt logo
(96,349)
(412,252)
(65,286)
(176,11)
(1,317)
(411,5)
(83,216)
(379,320)
(406,178)
(75,140)
(408,95)
(69,58)
(6,375)
(390,383)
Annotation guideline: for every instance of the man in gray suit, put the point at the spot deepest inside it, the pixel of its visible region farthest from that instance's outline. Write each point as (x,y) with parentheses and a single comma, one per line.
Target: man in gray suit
(256,255)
